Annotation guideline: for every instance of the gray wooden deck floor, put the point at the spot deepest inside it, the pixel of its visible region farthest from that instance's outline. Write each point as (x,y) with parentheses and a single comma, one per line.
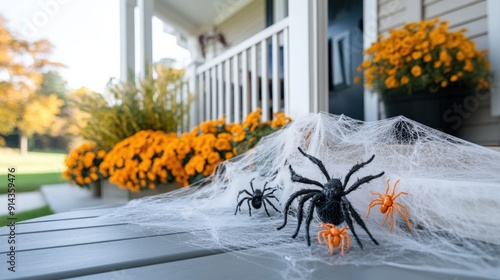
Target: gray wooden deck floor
(77,245)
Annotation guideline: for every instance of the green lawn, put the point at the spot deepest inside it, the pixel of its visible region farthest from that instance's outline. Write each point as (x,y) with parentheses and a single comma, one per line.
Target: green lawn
(35,213)
(31,182)
(33,162)
(32,171)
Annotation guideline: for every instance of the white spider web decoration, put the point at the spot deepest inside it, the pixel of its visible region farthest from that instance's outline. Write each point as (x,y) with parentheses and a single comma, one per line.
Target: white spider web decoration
(453,198)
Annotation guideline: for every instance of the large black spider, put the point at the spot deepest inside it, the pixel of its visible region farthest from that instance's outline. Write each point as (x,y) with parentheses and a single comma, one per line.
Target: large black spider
(257,198)
(330,202)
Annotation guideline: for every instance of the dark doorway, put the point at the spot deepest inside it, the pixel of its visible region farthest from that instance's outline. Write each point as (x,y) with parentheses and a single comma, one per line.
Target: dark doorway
(345,45)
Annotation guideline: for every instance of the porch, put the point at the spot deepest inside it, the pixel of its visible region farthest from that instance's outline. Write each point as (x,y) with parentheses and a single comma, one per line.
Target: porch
(292,52)
(78,245)
(255,72)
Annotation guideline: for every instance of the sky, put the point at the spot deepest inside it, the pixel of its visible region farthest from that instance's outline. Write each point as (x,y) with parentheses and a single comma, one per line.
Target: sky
(85,35)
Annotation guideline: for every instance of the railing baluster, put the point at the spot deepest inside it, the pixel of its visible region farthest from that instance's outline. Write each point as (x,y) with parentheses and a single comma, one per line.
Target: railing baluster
(201,100)
(264,80)
(228,95)
(220,91)
(253,81)
(244,79)
(183,98)
(208,90)
(276,75)
(286,72)
(236,89)
(214,93)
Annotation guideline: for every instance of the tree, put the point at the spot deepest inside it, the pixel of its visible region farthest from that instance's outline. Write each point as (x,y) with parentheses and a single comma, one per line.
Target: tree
(53,83)
(57,136)
(22,64)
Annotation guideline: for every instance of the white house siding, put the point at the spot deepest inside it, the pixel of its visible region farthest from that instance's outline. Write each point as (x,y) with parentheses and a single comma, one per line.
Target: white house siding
(478,125)
(391,14)
(244,23)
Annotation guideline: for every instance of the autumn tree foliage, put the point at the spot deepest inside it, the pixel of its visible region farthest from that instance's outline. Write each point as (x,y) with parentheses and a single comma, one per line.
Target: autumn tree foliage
(22,65)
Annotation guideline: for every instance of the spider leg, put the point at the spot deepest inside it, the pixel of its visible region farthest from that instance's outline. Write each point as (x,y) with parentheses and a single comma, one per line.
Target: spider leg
(375,201)
(342,241)
(394,189)
(300,215)
(326,236)
(361,181)
(309,218)
(265,198)
(392,221)
(251,185)
(348,240)
(358,219)
(243,191)
(265,186)
(394,198)
(249,208)
(318,162)
(379,195)
(330,244)
(404,216)
(372,204)
(348,220)
(319,236)
(265,208)
(289,202)
(267,189)
(386,216)
(297,178)
(328,226)
(239,205)
(354,169)
(271,196)
(401,205)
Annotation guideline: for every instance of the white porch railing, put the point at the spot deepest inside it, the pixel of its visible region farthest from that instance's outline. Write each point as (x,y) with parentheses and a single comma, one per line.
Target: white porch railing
(251,74)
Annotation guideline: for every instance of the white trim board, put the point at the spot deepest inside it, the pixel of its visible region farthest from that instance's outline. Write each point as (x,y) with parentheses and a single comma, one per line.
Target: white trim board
(493,10)
(370,30)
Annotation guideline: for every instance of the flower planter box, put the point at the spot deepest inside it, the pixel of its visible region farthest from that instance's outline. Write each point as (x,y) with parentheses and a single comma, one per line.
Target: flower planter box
(113,193)
(428,108)
(96,189)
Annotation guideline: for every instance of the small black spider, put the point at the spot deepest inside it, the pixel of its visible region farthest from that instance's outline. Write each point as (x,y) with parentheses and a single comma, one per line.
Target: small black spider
(331,203)
(258,198)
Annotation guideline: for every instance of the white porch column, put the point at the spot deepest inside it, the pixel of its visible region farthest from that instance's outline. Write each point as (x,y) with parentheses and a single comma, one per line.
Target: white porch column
(194,92)
(370,30)
(493,8)
(308,57)
(127,39)
(196,114)
(146,9)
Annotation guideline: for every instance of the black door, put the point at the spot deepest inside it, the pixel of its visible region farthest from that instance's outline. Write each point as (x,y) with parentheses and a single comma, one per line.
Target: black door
(345,42)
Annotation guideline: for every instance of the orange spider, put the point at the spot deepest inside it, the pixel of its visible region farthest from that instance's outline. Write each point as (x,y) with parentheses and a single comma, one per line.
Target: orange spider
(335,237)
(388,205)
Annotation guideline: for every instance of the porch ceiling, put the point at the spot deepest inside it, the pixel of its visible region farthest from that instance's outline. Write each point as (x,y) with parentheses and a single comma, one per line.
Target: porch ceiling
(198,14)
